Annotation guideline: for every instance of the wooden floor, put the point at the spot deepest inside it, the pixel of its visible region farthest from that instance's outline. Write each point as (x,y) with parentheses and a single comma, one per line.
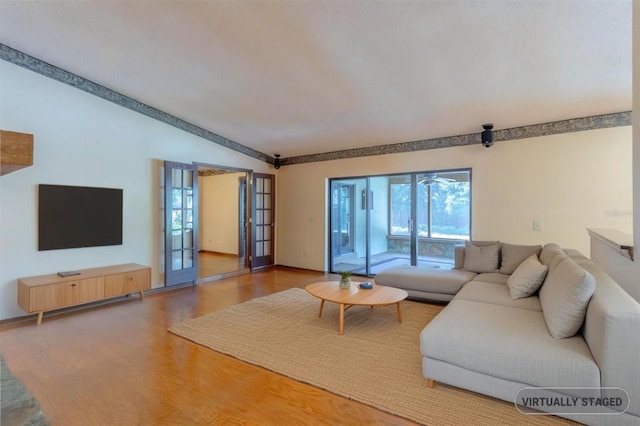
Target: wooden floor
(211,264)
(117,364)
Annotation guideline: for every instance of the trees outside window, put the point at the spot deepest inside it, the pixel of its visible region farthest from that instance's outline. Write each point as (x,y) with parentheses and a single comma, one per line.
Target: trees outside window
(443,206)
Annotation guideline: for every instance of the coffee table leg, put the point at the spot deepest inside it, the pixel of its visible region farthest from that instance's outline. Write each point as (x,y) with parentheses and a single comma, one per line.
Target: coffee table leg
(399,312)
(341,318)
(321,306)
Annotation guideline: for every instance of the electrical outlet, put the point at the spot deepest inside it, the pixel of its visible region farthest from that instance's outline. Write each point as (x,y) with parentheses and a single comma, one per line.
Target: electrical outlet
(537,225)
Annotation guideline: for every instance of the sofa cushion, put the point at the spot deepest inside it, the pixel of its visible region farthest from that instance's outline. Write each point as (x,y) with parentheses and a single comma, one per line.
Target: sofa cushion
(459,252)
(481,258)
(564,297)
(527,278)
(508,343)
(513,255)
(497,294)
(492,277)
(433,280)
(552,254)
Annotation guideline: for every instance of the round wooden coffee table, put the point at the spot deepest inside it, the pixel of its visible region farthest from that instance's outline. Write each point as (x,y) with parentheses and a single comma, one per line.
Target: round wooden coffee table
(346,298)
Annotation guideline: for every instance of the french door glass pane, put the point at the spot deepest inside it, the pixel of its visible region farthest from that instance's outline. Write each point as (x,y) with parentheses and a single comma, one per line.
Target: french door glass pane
(176,264)
(176,219)
(176,240)
(176,178)
(176,202)
(187,179)
(187,239)
(187,259)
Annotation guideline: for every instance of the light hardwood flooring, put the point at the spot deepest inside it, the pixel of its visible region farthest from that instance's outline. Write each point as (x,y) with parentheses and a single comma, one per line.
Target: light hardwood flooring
(212,264)
(117,364)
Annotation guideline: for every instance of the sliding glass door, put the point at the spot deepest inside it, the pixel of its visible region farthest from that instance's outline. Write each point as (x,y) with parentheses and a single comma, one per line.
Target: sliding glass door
(404,219)
(348,225)
(344,212)
(392,223)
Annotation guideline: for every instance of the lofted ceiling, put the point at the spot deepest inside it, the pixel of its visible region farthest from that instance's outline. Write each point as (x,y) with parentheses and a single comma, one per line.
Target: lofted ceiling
(299,77)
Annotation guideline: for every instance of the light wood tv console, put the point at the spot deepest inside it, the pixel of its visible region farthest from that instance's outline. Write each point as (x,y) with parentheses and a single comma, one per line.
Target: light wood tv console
(45,293)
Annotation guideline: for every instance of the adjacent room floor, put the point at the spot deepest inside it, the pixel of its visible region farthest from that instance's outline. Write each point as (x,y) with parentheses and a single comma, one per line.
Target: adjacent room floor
(213,264)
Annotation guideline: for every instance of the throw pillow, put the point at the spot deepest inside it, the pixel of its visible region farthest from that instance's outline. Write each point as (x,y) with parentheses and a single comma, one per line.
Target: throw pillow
(481,259)
(527,278)
(513,255)
(551,255)
(564,298)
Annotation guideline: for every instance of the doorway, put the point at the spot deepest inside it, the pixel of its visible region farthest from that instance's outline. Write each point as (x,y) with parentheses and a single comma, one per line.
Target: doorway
(223,213)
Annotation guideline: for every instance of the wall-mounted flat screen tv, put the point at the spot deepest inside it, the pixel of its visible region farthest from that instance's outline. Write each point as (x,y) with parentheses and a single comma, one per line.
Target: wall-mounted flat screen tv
(78,216)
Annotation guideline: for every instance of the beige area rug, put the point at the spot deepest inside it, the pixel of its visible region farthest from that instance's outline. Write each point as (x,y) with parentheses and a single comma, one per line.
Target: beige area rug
(377,360)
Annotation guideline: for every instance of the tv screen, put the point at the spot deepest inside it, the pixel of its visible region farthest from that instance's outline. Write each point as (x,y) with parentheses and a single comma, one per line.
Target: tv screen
(76,216)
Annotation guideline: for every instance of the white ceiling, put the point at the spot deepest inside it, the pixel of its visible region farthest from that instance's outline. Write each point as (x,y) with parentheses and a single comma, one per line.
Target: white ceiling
(311,76)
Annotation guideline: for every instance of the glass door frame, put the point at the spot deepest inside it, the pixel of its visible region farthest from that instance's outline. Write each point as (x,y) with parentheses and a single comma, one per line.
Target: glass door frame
(414,238)
(263,220)
(181,275)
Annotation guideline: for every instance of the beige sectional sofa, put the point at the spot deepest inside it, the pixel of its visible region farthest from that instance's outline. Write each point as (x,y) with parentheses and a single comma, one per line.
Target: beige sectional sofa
(487,342)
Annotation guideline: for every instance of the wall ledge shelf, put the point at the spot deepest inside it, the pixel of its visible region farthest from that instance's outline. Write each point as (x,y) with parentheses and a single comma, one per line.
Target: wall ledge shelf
(617,240)
(16,151)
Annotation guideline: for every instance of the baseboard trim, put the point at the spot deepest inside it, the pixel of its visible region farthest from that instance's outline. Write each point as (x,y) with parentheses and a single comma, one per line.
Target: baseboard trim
(31,318)
(49,314)
(296,268)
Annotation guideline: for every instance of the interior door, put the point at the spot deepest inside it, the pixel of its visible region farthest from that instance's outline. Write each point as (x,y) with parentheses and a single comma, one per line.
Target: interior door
(181,223)
(263,220)
(242,217)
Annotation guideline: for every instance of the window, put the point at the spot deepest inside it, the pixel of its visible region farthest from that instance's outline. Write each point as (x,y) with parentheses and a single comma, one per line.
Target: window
(443,205)
(400,208)
(445,211)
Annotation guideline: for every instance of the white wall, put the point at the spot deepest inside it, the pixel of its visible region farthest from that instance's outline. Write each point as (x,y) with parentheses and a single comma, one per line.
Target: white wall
(220,213)
(83,140)
(569,182)
(636,142)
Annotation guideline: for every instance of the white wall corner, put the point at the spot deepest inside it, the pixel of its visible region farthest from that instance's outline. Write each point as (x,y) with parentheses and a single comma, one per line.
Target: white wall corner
(636,134)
